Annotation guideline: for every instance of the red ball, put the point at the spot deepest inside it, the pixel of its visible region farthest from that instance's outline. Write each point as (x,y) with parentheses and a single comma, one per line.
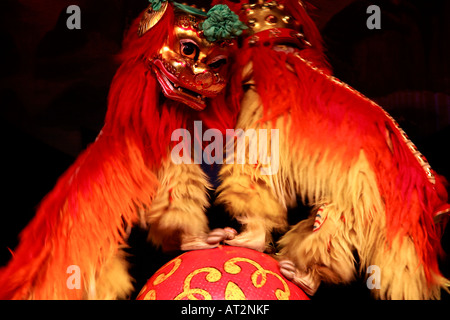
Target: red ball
(223,273)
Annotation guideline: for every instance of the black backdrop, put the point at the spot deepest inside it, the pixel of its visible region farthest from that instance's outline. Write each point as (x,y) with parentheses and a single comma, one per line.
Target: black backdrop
(54,84)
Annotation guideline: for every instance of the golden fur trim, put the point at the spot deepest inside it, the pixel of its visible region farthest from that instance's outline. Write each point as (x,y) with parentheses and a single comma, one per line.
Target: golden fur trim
(178,208)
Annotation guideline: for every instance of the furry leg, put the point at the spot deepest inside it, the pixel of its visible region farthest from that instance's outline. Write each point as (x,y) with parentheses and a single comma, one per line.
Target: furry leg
(325,254)
(253,205)
(113,281)
(401,274)
(256,200)
(177,215)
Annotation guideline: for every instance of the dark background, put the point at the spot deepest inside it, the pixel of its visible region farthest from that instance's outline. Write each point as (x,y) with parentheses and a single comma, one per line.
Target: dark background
(54,84)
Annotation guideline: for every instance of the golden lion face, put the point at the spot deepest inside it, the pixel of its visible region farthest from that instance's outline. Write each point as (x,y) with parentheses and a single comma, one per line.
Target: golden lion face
(189,67)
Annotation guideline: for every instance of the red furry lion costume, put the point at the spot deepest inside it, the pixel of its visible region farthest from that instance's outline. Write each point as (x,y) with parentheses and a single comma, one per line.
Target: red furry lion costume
(371,191)
(171,69)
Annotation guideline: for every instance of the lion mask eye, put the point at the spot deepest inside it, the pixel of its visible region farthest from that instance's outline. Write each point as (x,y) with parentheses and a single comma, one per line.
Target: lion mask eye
(189,49)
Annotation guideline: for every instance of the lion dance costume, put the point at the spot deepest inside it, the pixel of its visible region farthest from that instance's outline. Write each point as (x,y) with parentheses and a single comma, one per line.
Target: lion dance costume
(371,191)
(173,65)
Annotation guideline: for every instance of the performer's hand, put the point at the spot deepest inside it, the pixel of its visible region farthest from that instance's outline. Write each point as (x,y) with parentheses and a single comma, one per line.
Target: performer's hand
(218,236)
(252,239)
(249,239)
(303,280)
(189,243)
